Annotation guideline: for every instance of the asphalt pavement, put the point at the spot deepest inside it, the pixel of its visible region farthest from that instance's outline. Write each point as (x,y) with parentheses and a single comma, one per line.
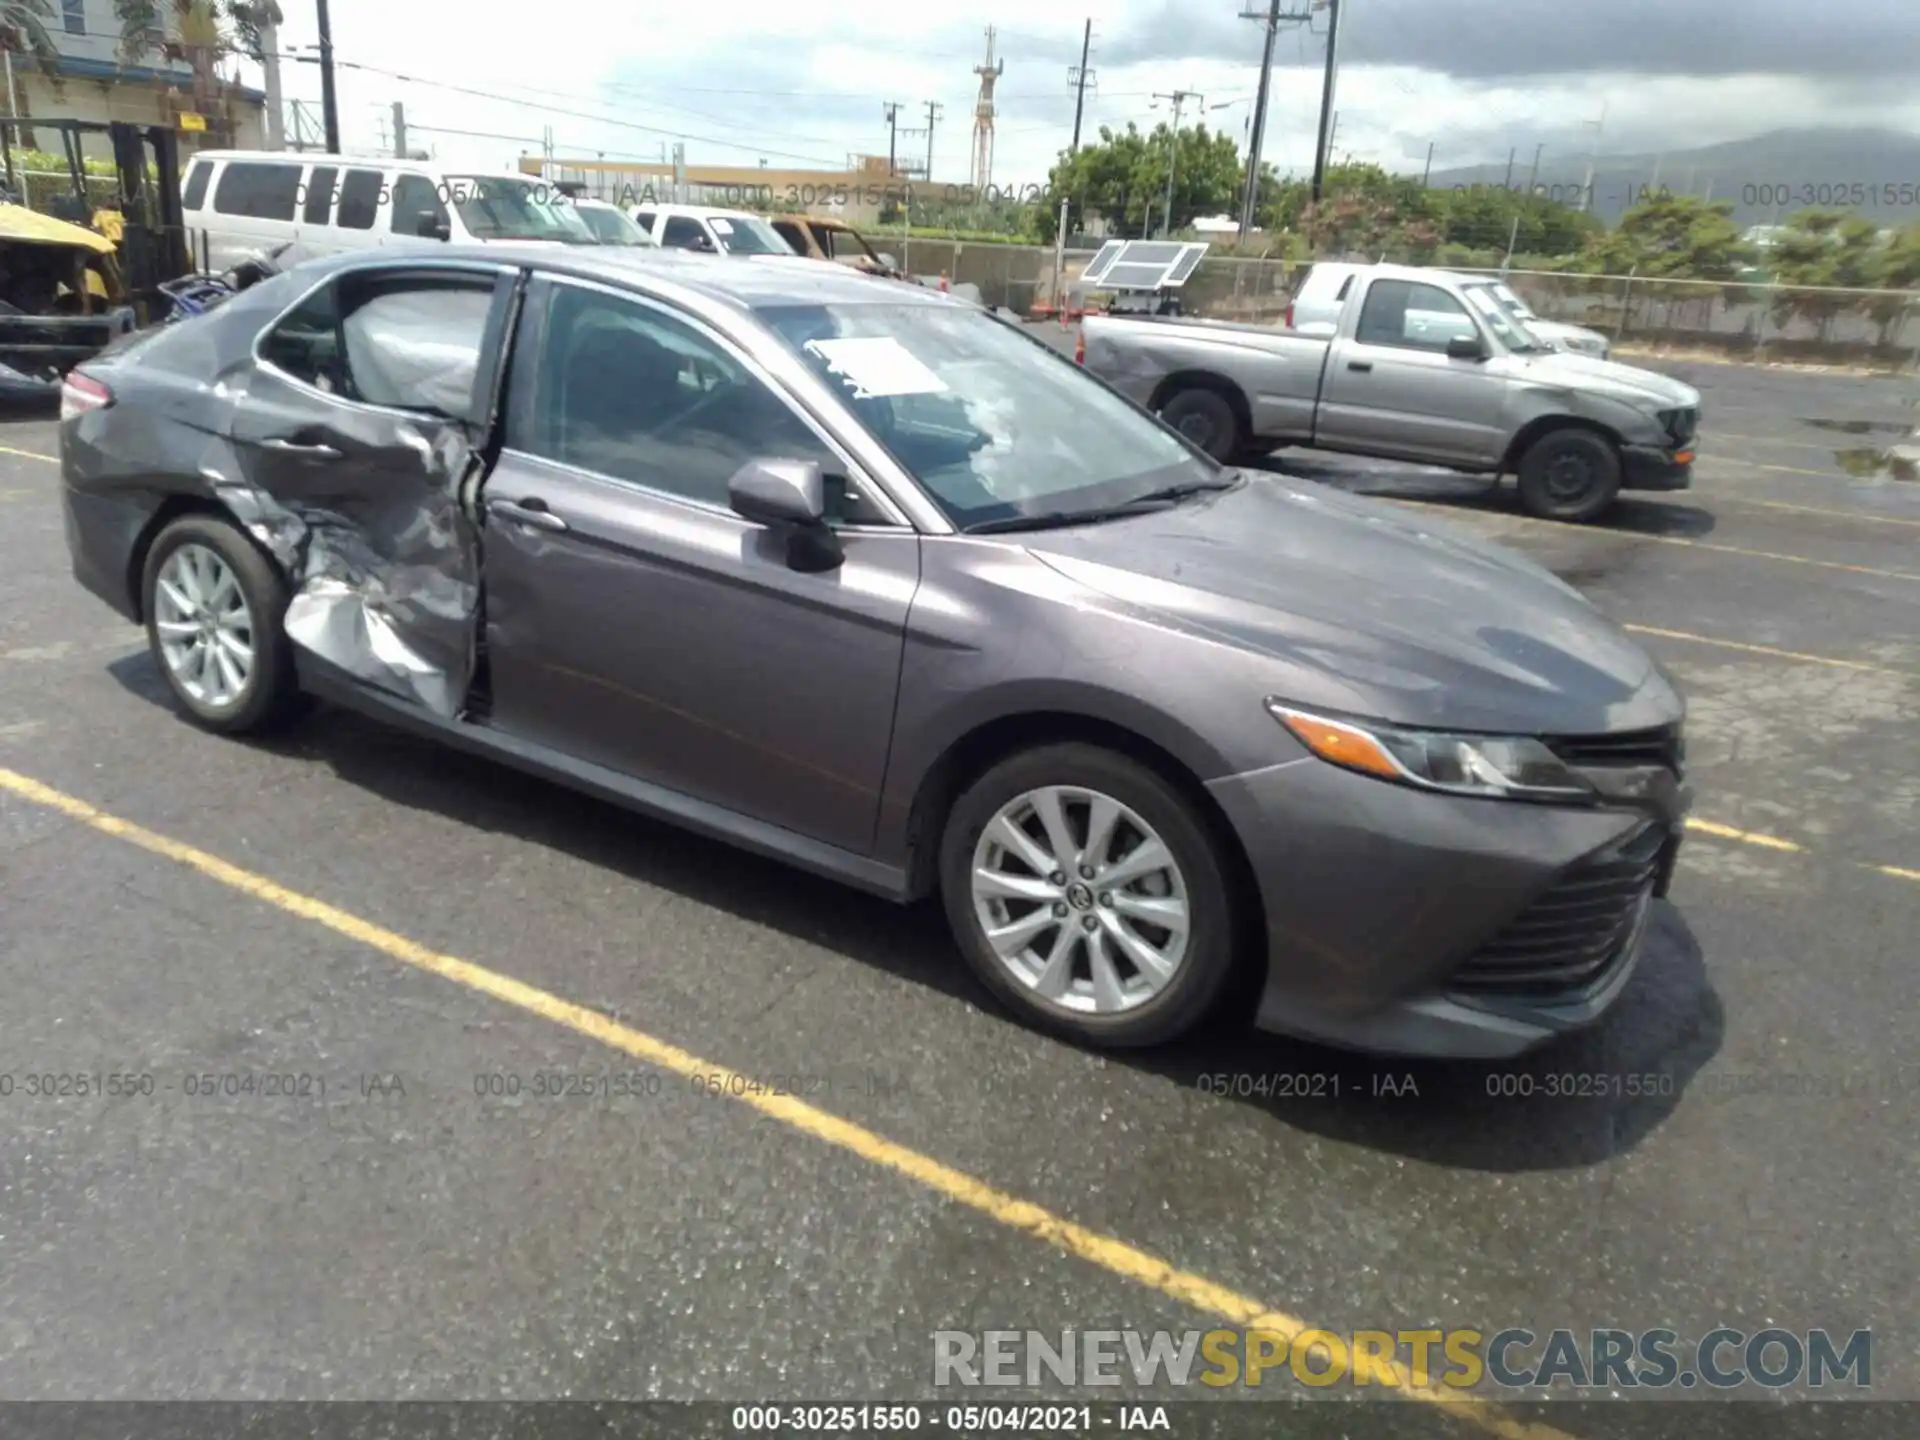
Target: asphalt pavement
(346,1182)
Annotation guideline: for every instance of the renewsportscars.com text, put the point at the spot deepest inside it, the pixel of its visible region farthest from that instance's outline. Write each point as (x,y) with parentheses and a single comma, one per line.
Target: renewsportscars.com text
(1512,1359)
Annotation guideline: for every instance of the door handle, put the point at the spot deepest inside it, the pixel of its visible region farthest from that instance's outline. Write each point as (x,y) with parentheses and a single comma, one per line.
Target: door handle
(532,512)
(1363,366)
(291,447)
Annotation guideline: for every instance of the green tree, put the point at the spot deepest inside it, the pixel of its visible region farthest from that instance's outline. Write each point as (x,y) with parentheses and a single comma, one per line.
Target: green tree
(1674,236)
(209,31)
(1824,250)
(1123,177)
(1898,268)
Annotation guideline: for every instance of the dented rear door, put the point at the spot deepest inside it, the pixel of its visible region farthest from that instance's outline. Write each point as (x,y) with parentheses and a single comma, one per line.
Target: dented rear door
(363,425)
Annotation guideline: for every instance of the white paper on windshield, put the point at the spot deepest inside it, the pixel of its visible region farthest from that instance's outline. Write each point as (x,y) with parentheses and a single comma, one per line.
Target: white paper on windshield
(877,366)
(725,227)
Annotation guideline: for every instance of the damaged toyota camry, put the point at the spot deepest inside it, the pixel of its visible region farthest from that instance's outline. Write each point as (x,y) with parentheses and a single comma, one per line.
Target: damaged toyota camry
(852,574)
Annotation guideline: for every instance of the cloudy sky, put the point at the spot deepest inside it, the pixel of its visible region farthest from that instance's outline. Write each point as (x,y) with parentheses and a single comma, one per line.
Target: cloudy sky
(801,85)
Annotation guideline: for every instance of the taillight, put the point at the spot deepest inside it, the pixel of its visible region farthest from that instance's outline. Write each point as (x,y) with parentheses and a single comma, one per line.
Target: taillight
(81,393)
(1080,348)
(1289,314)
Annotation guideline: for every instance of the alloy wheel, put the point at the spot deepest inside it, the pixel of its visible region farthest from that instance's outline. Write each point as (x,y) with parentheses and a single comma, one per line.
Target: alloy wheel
(204,625)
(1080,900)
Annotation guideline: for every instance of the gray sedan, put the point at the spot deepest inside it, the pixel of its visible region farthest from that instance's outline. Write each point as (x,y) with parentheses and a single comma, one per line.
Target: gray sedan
(859,576)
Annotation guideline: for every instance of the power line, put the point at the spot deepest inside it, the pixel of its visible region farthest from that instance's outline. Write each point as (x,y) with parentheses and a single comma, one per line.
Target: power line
(571,114)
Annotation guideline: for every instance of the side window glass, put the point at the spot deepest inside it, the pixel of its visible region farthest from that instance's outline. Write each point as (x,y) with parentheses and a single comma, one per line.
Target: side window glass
(1410,316)
(195,195)
(359,199)
(684,233)
(416,206)
(790,232)
(627,391)
(318,204)
(406,343)
(306,342)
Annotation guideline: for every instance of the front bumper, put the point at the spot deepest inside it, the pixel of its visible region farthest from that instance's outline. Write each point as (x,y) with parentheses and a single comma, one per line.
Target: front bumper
(1403,922)
(1651,467)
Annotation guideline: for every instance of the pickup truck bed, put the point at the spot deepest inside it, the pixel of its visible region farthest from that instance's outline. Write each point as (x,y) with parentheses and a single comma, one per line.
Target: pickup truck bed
(1413,372)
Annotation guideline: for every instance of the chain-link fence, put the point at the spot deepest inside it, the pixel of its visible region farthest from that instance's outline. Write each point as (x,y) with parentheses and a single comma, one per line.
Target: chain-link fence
(1733,319)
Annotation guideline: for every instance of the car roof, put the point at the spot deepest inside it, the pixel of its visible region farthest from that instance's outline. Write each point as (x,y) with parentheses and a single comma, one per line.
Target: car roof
(745,282)
(703,212)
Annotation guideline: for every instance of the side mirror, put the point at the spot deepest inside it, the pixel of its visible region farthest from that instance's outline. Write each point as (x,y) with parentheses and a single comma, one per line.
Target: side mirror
(1466,347)
(779,492)
(888,260)
(790,495)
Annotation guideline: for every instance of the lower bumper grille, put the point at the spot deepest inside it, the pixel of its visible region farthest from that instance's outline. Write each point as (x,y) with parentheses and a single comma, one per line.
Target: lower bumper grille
(1574,933)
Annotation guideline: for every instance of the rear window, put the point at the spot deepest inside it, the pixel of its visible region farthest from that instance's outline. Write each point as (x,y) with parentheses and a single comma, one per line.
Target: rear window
(195,195)
(258,191)
(359,199)
(319,200)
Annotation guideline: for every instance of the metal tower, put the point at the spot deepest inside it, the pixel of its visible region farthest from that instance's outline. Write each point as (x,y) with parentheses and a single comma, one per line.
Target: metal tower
(982,176)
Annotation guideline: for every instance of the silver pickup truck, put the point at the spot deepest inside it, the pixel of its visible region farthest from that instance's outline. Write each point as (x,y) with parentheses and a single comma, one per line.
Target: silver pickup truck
(1424,367)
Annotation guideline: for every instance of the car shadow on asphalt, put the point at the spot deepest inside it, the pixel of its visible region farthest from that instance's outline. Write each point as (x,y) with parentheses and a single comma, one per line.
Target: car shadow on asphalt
(1630,514)
(1574,1103)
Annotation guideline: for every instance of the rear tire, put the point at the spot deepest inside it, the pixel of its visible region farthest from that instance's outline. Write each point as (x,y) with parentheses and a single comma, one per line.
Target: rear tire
(1206,418)
(1571,475)
(1135,953)
(215,606)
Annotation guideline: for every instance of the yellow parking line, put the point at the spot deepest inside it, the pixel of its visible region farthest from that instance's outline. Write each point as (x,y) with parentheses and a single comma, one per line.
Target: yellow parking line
(1867,516)
(1681,540)
(1108,1253)
(1745,837)
(29,454)
(1774,842)
(1770,650)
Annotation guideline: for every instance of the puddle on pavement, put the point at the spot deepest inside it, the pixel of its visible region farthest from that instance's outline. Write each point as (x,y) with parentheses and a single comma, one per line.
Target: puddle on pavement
(1861,427)
(1902,463)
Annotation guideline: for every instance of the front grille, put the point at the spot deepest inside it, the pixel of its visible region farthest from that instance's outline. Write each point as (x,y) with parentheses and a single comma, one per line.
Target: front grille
(1573,934)
(1663,747)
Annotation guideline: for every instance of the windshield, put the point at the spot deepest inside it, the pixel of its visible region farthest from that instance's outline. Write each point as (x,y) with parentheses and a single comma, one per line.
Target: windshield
(494,207)
(995,426)
(1515,305)
(610,227)
(1513,332)
(748,235)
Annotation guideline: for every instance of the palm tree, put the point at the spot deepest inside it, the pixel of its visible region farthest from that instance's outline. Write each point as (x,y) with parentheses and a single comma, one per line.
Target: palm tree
(23,30)
(209,30)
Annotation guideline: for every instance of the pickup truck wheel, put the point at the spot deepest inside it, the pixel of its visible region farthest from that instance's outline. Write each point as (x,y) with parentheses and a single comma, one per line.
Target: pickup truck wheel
(1570,475)
(1206,418)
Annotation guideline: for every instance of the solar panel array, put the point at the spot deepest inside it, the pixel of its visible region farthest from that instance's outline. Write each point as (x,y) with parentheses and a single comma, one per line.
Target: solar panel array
(1143,265)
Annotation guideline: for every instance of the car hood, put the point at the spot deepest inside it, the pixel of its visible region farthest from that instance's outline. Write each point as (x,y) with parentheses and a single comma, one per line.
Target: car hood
(1371,610)
(1643,389)
(1552,329)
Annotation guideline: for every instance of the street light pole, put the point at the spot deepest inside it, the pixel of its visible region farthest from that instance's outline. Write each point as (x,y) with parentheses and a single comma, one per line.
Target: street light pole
(1179,99)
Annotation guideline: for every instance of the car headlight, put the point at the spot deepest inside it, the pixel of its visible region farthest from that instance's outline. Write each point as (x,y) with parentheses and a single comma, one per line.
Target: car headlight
(1489,766)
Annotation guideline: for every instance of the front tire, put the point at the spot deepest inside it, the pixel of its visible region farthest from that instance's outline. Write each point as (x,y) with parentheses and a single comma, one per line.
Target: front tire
(1572,475)
(1088,894)
(1206,418)
(214,606)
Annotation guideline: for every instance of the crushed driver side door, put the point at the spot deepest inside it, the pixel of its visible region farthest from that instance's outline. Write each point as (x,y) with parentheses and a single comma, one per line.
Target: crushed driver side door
(359,438)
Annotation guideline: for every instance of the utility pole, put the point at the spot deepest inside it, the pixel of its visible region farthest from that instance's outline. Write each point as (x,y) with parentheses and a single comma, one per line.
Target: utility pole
(1533,175)
(1512,151)
(1257,125)
(934,112)
(1427,173)
(399,130)
(1179,99)
(1078,77)
(893,136)
(270,85)
(1326,101)
(329,101)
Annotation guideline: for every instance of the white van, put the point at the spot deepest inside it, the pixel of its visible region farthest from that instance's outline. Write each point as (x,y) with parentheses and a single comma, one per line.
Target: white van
(239,202)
